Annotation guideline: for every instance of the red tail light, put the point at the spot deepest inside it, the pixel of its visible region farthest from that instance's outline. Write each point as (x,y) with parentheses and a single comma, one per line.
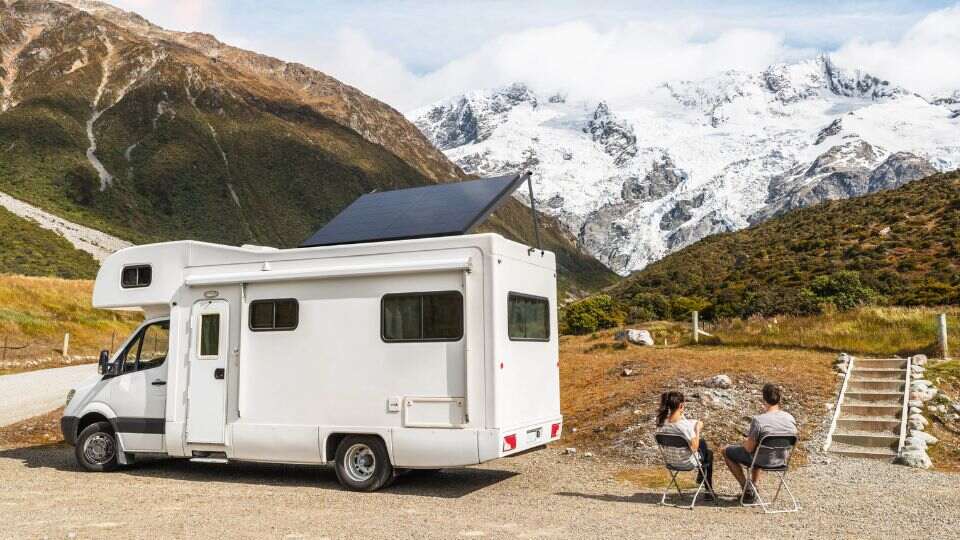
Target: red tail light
(509,442)
(554,431)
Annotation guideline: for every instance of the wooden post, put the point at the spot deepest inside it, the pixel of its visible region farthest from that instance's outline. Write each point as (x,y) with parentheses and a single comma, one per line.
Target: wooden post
(944,347)
(66,344)
(4,349)
(113,337)
(696,326)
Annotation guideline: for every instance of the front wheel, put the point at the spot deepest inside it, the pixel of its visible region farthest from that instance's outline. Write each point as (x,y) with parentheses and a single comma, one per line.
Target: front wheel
(362,463)
(96,448)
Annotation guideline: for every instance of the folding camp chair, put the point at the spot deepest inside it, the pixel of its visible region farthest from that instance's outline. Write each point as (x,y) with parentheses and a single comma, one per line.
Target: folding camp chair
(772,455)
(676,454)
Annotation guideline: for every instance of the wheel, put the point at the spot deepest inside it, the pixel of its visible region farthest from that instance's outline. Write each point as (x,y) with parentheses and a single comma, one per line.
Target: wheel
(97,448)
(362,463)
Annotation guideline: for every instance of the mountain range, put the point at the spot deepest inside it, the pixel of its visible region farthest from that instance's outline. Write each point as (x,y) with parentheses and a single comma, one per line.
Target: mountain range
(114,130)
(637,179)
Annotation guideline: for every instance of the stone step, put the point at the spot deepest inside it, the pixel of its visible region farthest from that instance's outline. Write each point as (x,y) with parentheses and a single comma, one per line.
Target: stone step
(849,409)
(873,396)
(867,439)
(847,450)
(874,363)
(873,384)
(869,424)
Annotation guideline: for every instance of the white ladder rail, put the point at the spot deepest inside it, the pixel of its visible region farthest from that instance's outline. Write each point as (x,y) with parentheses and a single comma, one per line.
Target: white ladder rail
(836,409)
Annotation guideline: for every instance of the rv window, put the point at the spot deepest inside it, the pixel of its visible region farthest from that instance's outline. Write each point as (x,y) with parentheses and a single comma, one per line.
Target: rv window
(433,316)
(136,276)
(210,334)
(268,315)
(528,317)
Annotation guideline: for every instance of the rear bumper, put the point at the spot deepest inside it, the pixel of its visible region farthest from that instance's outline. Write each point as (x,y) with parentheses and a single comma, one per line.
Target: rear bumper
(509,442)
(68,426)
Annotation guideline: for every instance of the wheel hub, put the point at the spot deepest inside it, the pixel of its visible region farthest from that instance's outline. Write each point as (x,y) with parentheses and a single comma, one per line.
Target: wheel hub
(99,448)
(361,463)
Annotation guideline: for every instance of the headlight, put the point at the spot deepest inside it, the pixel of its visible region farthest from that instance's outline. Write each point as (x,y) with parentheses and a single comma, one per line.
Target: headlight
(70,395)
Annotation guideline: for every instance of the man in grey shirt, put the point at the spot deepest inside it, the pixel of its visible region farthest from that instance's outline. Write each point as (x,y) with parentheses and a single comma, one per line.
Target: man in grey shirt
(773,421)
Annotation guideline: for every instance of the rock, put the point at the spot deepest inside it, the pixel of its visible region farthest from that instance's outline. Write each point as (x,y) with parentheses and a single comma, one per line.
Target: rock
(918,418)
(923,395)
(919,359)
(588,454)
(627,372)
(924,436)
(718,381)
(915,402)
(637,337)
(637,411)
(915,458)
(918,369)
(570,451)
(914,424)
(920,383)
(911,444)
(956,407)
(916,410)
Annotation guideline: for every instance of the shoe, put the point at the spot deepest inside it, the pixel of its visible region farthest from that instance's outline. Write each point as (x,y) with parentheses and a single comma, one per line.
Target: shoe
(749,497)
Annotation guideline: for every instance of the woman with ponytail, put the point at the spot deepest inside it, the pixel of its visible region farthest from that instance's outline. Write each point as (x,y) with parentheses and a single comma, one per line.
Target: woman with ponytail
(671,421)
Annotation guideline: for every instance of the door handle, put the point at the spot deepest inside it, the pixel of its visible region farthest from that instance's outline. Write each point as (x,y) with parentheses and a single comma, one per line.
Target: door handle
(218,373)
(158,382)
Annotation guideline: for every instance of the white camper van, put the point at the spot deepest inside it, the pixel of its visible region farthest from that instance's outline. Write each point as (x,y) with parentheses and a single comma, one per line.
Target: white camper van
(376,357)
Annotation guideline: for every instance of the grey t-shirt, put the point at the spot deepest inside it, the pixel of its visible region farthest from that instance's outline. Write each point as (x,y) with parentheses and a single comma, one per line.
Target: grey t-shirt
(687,429)
(777,422)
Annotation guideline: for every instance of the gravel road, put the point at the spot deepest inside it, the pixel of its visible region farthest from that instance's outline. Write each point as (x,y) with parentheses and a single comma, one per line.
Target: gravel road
(544,494)
(23,395)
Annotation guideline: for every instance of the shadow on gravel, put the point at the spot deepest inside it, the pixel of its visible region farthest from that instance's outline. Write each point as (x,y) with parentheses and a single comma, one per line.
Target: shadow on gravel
(652,498)
(448,483)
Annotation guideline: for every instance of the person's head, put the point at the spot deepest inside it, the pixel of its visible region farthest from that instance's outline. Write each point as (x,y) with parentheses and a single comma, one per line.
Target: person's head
(670,402)
(771,395)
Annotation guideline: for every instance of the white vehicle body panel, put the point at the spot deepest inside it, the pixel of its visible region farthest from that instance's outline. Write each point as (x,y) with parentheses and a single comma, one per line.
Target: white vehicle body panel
(287,396)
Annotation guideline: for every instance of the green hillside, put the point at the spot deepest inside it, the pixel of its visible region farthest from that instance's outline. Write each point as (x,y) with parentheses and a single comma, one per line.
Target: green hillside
(28,249)
(898,247)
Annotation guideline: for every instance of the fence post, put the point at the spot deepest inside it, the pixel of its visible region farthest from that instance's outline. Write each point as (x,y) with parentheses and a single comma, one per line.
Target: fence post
(4,349)
(113,338)
(696,326)
(66,344)
(944,347)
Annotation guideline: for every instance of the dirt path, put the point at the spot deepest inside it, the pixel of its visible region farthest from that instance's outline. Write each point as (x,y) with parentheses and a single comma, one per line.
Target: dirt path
(540,495)
(23,395)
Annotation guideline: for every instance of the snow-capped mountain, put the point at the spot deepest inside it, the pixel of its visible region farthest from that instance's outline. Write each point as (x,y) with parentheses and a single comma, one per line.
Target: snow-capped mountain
(637,180)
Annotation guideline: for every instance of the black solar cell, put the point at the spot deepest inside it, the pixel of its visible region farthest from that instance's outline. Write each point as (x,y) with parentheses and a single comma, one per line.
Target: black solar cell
(438,210)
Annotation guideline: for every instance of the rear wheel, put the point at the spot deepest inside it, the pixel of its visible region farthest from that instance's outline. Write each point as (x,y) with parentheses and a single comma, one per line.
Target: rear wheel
(363,464)
(97,447)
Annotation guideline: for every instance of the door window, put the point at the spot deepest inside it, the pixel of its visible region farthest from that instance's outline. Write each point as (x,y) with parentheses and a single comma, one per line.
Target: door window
(148,349)
(210,334)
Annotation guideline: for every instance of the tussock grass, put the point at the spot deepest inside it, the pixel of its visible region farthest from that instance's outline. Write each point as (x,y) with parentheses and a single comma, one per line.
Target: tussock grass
(35,312)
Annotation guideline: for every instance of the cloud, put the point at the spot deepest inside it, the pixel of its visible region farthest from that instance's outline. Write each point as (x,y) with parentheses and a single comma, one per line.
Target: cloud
(576,58)
(183,15)
(925,60)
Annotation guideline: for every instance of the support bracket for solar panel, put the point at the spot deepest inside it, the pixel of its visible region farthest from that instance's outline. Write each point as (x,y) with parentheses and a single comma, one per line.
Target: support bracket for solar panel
(533,214)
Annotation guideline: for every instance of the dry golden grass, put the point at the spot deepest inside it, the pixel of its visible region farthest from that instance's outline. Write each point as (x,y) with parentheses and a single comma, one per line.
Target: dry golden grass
(39,430)
(599,402)
(35,312)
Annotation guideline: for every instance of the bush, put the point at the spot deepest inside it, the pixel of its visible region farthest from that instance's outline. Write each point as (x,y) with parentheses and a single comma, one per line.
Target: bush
(592,314)
(842,290)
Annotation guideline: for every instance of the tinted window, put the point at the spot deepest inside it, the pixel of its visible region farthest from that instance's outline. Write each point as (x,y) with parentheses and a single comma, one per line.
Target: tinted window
(210,334)
(528,317)
(433,316)
(147,350)
(268,315)
(136,276)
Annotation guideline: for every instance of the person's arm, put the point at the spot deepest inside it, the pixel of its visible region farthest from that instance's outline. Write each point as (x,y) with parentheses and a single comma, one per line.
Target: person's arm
(695,440)
(753,435)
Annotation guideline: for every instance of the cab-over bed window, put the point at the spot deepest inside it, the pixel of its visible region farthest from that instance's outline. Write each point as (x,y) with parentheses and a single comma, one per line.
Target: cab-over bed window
(428,316)
(528,317)
(136,276)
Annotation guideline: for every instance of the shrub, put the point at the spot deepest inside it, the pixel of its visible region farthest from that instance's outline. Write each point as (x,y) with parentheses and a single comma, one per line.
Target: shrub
(592,314)
(842,290)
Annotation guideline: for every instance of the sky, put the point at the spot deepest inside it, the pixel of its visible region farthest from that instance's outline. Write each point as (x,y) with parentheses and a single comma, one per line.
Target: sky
(410,54)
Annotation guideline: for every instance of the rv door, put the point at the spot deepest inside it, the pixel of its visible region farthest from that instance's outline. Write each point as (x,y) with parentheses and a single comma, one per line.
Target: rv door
(207,390)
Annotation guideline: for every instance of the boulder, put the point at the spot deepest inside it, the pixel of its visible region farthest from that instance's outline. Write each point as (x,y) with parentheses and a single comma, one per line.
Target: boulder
(637,337)
(912,443)
(718,381)
(915,410)
(628,372)
(915,458)
(919,359)
(924,436)
(915,403)
(919,419)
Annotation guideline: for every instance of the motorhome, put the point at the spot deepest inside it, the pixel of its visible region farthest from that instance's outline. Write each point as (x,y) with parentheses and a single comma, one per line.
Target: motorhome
(373,356)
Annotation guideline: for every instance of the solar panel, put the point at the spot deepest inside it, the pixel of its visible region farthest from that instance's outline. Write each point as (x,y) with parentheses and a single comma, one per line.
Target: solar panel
(436,210)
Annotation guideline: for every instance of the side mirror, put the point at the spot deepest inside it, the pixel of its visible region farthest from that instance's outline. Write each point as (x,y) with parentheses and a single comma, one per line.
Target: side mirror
(104,362)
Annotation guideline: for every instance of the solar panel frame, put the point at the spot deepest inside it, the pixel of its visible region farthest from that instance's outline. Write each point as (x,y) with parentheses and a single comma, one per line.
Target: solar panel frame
(446,209)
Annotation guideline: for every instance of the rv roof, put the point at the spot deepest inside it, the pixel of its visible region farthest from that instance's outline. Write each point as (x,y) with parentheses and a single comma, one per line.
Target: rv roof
(438,210)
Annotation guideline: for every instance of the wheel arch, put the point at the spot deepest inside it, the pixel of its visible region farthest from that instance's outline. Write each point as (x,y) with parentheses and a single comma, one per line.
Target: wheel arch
(333,439)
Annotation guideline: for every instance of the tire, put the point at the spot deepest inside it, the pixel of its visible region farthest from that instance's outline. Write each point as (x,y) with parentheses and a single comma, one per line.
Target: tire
(362,463)
(97,448)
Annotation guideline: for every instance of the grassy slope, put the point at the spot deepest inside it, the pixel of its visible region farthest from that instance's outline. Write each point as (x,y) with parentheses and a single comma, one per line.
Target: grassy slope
(905,244)
(36,312)
(25,248)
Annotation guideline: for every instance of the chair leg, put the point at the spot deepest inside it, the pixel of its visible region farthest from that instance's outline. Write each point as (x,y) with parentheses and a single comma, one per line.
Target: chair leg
(766,506)
(673,482)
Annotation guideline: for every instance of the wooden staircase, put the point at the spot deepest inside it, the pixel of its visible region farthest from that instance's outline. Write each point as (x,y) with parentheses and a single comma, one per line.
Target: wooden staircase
(870,418)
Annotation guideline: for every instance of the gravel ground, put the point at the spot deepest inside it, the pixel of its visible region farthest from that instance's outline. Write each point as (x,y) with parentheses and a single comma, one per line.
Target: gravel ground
(23,395)
(544,494)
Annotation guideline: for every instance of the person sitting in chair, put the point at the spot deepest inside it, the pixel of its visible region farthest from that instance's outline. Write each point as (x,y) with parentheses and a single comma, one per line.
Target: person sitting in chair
(773,420)
(671,421)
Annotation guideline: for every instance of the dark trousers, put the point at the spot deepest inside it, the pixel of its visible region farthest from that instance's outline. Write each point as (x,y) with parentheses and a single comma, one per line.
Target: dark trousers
(706,459)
